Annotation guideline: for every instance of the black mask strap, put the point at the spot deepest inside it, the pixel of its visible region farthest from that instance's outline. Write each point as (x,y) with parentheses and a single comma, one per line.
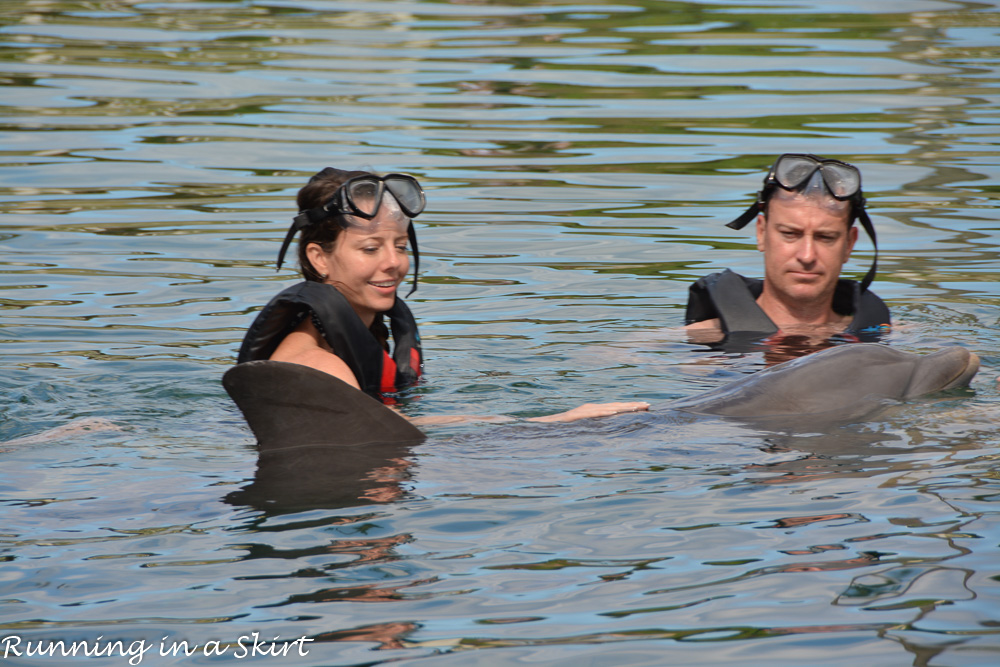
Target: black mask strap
(299,222)
(412,233)
(866,222)
(747,217)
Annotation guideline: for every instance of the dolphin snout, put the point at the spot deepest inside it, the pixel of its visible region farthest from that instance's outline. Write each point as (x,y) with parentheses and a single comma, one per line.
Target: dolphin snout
(945,369)
(966,373)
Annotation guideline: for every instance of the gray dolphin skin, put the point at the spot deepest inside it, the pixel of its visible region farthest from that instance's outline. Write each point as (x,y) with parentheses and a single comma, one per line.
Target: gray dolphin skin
(320,441)
(844,381)
(292,407)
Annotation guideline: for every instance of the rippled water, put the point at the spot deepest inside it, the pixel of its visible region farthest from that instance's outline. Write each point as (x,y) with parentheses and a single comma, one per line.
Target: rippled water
(580,160)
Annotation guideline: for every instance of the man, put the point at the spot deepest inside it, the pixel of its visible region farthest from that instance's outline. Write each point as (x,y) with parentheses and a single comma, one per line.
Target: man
(805,227)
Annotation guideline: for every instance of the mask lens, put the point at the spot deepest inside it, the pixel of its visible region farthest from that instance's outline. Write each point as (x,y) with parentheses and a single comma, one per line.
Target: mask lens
(791,172)
(407,192)
(843,180)
(364,197)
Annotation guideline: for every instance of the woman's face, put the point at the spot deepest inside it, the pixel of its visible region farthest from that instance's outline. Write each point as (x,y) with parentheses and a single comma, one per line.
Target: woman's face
(368,261)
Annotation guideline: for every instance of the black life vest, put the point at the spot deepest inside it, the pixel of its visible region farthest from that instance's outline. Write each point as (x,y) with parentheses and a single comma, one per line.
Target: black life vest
(335,319)
(732,299)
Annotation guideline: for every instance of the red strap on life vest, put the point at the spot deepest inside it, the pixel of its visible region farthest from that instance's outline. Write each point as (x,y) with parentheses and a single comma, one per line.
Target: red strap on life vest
(388,373)
(415,360)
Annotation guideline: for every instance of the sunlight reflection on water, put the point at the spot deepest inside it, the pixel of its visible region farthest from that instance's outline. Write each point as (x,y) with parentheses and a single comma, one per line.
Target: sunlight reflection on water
(580,161)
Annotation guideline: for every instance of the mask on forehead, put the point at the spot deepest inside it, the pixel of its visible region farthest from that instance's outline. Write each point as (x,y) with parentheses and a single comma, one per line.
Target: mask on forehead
(814,193)
(389,216)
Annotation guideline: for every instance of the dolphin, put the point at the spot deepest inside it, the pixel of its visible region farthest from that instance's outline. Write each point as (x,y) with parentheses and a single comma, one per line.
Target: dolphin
(290,407)
(323,443)
(843,382)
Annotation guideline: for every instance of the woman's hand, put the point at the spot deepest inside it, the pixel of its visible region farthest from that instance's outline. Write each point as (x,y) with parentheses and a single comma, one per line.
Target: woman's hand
(590,410)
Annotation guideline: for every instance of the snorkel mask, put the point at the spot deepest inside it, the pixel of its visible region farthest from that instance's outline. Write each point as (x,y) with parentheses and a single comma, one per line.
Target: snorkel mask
(800,172)
(362,197)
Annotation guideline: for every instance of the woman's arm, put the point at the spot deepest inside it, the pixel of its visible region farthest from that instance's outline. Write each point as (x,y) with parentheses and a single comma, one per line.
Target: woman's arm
(591,410)
(585,411)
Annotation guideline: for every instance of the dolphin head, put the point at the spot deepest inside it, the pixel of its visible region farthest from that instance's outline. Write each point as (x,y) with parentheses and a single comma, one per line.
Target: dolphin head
(845,380)
(947,368)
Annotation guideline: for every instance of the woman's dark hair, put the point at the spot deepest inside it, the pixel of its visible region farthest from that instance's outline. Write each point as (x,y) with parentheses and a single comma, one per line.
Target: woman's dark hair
(313,194)
(320,188)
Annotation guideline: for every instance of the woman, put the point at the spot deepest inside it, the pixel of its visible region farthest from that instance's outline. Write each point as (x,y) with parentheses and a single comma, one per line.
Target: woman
(355,229)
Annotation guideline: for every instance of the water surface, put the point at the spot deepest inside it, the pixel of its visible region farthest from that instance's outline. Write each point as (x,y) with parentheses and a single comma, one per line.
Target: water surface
(580,160)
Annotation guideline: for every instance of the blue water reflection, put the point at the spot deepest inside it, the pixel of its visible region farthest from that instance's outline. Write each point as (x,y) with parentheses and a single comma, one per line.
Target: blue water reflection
(580,160)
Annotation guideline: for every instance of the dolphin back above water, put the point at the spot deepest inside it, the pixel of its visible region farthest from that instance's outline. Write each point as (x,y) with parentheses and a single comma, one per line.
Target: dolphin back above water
(844,381)
(289,406)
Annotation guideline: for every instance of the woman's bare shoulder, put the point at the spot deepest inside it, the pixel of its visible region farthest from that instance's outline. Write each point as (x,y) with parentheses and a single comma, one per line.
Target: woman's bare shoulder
(305,346)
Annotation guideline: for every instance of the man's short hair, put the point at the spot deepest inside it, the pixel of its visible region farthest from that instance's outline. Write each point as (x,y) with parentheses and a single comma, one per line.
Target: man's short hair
(815,193)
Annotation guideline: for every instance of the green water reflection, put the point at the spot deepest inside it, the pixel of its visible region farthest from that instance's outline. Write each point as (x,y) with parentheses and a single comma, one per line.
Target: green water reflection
(580,161)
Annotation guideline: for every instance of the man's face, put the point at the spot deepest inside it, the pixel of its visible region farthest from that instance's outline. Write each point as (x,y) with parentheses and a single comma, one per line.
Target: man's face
(805,244)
